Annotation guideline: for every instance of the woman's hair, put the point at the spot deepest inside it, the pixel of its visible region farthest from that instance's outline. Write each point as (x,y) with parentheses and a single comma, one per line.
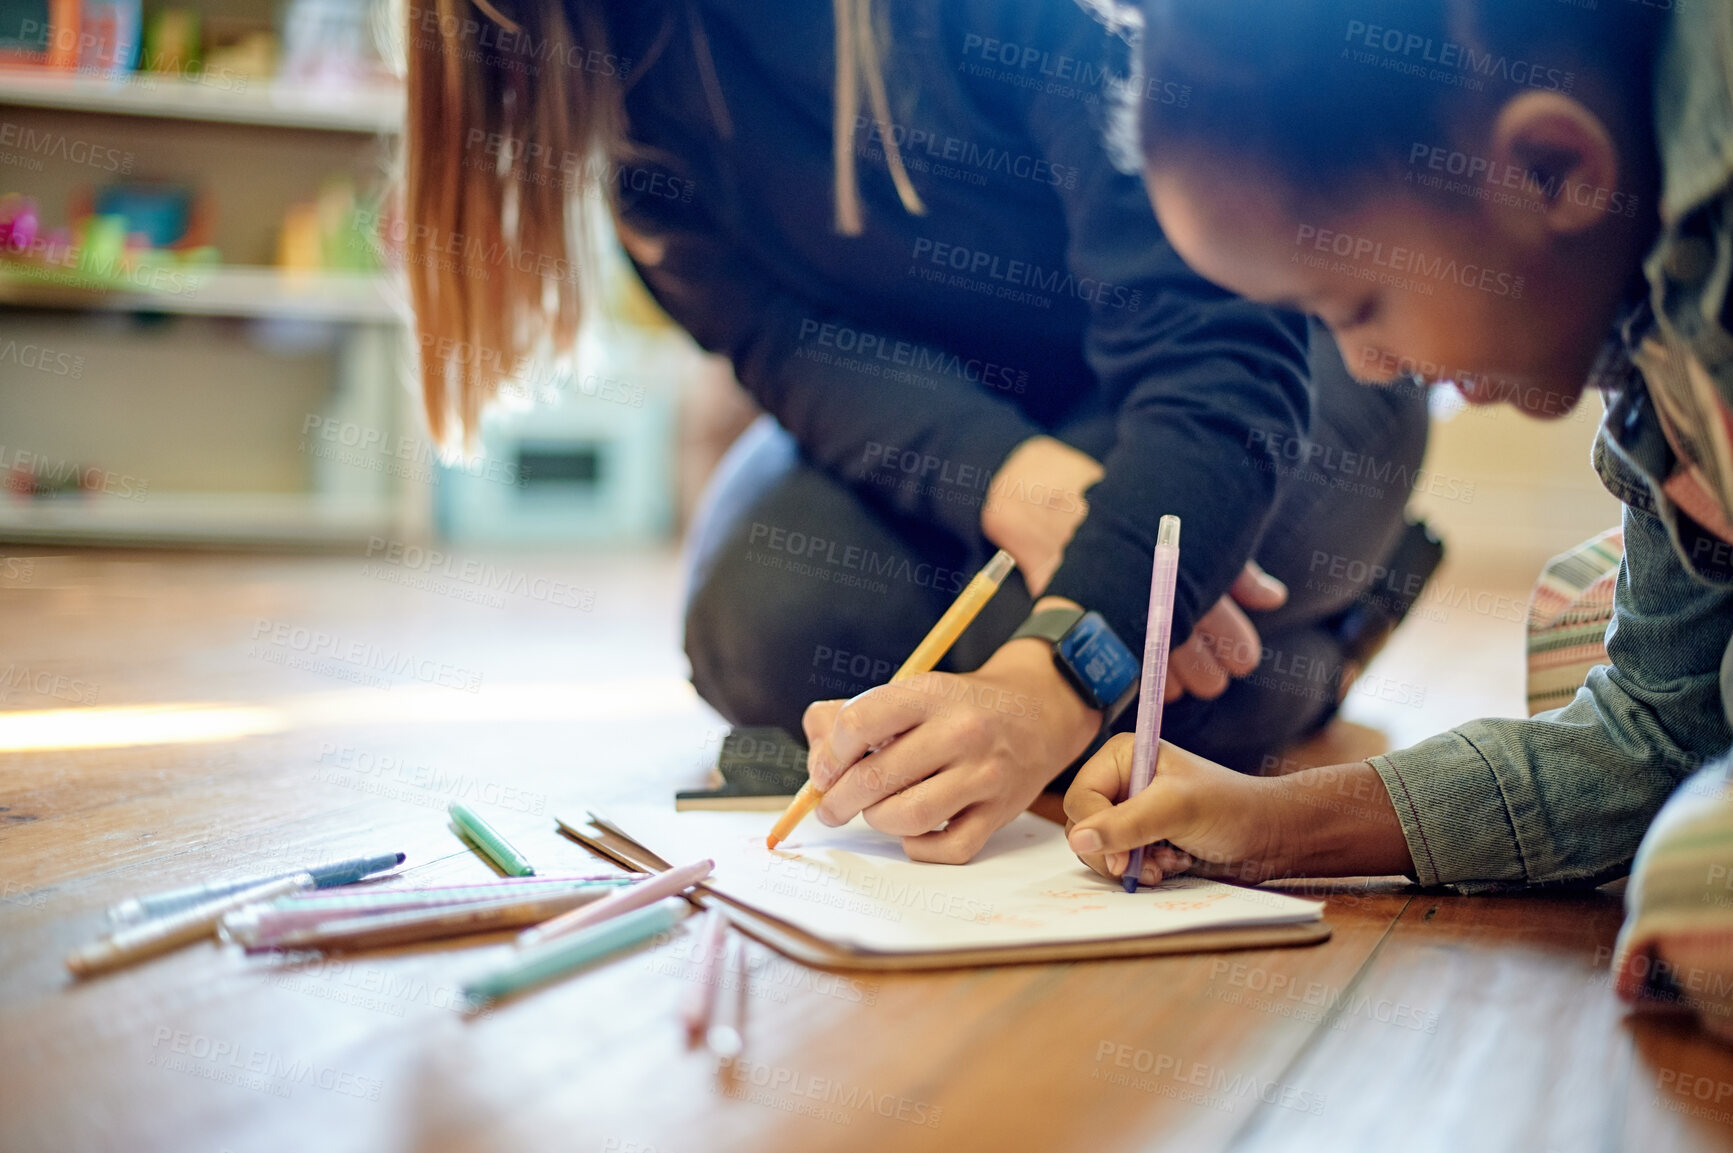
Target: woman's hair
(513,115)
(506,115)
(1323,92)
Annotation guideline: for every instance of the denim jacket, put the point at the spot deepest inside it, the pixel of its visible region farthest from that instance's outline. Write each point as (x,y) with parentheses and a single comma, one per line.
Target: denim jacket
(1565,797)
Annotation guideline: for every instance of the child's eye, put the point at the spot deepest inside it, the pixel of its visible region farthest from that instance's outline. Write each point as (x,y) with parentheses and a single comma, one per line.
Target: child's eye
(1363,313)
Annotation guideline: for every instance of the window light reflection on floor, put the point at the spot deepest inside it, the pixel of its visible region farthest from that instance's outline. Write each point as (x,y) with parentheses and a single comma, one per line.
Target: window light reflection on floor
(196,722)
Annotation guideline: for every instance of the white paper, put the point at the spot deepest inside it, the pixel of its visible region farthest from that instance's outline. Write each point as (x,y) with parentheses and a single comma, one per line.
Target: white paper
(853,886)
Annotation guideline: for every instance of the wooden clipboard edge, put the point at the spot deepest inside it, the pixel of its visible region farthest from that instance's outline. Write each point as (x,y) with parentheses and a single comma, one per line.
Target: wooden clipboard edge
(761,927)
(612,847)
(799,945)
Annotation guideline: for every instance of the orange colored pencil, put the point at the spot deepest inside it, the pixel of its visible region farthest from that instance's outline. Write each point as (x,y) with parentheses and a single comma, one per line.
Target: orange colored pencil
(927,654)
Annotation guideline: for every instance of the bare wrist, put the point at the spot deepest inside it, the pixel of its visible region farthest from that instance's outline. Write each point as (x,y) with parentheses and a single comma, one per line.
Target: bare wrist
(1336,821)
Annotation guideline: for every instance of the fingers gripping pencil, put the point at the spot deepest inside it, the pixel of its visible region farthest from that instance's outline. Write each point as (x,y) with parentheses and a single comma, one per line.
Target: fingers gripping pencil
(927,654)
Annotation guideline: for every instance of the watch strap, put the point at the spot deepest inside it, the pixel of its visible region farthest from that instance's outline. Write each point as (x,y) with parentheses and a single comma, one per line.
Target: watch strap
(1049,625)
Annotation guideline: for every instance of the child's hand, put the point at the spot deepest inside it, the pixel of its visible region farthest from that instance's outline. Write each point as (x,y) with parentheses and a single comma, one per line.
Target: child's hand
(1214,818)
(1332,821)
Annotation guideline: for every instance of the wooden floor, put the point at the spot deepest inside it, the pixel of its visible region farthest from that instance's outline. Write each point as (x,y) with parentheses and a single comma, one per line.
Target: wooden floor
(172,718)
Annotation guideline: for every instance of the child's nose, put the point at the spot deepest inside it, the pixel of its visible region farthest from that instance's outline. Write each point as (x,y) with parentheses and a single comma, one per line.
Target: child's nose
(1365,363)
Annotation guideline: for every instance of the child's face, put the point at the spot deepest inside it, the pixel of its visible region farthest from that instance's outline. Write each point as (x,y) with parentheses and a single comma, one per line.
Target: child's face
(1470,295)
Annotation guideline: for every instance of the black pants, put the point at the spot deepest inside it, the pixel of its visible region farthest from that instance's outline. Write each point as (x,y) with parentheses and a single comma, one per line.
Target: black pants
(768,631)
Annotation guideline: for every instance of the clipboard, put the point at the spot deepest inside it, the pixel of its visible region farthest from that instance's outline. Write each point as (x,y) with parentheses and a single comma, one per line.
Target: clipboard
(799,945)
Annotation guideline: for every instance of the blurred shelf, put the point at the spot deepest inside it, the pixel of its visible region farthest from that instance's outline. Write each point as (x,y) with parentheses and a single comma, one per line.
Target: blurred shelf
(236,290)
(369,108)
(195,518)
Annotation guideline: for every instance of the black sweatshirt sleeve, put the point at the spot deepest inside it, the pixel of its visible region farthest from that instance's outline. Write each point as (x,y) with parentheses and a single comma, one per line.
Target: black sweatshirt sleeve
(1199,381)
(847,391)
(1188,370)
(1194,382)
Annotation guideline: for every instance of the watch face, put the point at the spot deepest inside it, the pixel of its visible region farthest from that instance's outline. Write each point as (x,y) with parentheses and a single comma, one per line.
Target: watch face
(1099,658)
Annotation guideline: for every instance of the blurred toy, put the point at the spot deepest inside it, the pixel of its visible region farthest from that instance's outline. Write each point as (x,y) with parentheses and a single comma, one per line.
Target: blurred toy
(39,32)
(23,31)
(242,54)
(102,245)
(298,247)
(329,42)
(108,36)
(18,223)
(171,43)
(161,212)
(327,233)
(119,237)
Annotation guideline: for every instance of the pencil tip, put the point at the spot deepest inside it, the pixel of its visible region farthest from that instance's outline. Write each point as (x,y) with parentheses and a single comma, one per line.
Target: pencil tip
(1130,883)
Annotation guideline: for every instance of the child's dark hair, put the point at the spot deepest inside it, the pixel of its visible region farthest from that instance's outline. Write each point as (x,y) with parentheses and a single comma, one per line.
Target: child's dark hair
(1323,92)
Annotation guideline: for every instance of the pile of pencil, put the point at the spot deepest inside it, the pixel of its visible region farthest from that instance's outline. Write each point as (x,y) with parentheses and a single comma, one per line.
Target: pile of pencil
(567,921)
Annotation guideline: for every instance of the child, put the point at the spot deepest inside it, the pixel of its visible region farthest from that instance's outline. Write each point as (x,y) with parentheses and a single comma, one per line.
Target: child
(1523,197)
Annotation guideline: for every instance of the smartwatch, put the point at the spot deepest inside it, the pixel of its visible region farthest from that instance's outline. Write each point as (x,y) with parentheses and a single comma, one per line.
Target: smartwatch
(1090,656)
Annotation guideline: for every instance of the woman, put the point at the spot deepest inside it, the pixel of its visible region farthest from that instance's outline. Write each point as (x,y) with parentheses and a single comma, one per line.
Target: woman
(961,319)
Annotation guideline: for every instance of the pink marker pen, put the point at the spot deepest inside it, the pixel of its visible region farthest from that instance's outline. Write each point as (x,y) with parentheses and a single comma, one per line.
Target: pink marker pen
(1156,645)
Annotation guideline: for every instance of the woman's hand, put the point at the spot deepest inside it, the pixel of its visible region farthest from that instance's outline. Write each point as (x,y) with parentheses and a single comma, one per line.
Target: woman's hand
(972,750)
(1225,643)
(1335,821)
(1035,503)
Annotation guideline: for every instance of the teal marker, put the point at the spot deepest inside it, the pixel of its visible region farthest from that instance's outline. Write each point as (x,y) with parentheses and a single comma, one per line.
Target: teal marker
(484,837)
(563,954)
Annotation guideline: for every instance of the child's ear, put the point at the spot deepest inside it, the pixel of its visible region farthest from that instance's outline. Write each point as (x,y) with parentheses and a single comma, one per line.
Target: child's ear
(1556,159)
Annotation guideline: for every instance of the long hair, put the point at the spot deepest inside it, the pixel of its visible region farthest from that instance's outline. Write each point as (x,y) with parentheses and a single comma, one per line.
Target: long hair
(512,117)
(507,116)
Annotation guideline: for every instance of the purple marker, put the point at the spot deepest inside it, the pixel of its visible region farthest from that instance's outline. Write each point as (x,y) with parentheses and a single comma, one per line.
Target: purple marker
(1156,645)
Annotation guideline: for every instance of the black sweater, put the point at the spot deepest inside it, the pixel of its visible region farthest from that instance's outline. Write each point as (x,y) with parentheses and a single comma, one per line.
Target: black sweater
(1036,295)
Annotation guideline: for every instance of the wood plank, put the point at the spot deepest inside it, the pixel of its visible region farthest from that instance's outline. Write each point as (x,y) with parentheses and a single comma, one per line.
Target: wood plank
(1481,1023)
